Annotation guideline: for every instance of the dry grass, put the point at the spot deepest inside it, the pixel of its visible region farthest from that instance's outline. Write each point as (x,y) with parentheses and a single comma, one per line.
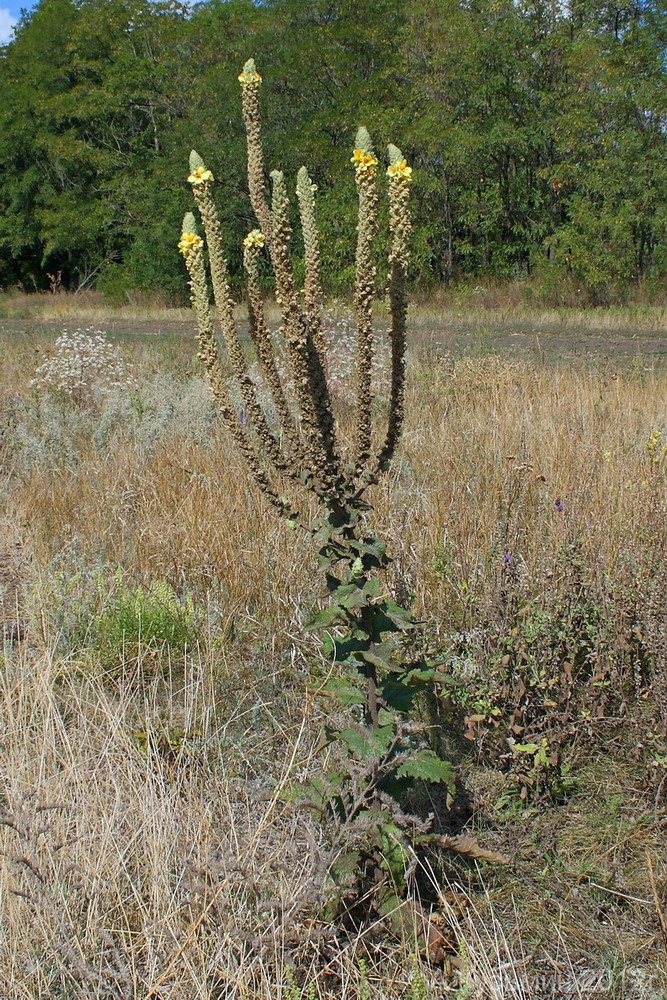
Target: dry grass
(481,306)
(86,307)
(633,319)
(145,851)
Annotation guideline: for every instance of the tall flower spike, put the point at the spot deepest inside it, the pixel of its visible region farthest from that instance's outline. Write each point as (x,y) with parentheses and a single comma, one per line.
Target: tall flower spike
(307,429)
(307,372)
(312,289)
(198,173)
(311,391)
(400,177)
(192,247)
(365,169)
(223,300)
(250,81)
(261,338)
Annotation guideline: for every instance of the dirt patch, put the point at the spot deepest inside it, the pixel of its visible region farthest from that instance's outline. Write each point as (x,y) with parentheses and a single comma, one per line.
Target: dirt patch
(521,339)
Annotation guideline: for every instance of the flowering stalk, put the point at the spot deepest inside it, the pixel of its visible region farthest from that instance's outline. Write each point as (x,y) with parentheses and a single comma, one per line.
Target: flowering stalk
(306,364)
(250,81)
(191,247)
(312,288)
(365,170)
(261,337)
(304,445)
(400,178)
(201,179)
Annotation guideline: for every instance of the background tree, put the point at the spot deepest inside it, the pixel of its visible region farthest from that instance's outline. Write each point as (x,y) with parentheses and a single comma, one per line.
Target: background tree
(538,133)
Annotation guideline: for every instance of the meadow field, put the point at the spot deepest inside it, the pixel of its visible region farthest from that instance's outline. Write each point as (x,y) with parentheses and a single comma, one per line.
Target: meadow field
(159,688)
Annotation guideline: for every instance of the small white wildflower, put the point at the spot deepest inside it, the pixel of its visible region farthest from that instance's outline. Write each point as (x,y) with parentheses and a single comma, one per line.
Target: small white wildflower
(81,361)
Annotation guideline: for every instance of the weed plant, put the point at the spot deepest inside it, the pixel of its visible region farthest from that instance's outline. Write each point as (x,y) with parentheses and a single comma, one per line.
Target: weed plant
(150,620)
(378,749)
(81,363)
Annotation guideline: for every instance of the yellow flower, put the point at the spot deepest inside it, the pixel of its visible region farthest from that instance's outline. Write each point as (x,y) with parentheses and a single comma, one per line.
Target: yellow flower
(254,239)
(189,242)
(400,169)
(363,162)
(200,175)
(248,78)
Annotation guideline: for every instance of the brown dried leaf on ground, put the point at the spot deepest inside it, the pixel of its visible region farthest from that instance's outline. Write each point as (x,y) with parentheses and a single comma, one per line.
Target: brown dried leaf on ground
(469,847)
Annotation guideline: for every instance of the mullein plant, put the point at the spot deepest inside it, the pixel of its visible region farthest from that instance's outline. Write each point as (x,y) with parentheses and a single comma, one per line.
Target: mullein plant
(294,447)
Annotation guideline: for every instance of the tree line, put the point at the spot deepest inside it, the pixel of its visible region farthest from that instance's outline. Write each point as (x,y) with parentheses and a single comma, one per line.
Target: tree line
(537,132)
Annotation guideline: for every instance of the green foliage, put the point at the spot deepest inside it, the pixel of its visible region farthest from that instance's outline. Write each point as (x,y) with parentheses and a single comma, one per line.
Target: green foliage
(538,136)
(379,752)
(291,991)
(418,986)
(145,619)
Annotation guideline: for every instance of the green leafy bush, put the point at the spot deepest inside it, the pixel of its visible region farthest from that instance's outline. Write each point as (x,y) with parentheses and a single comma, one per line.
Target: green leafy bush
(146,619)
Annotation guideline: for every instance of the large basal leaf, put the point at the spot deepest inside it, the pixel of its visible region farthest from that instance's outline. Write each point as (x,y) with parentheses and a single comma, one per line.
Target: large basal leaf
(397,695)
(380,660)
(420,675)
(351,597)
(381,624)
(367,743)
(342,649)
(346,692)
(369,547)
(427,765)
(328,617)
(400,616)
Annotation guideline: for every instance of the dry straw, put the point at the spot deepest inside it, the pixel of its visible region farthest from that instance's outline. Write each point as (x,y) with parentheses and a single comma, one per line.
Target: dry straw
(296,437)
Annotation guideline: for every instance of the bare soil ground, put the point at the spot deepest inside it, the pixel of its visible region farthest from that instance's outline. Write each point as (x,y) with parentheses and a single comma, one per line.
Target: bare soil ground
(513,338)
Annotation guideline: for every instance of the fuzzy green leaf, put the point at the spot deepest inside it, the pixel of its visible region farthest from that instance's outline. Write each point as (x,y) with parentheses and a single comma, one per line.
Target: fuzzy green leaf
(381,625)
(427,765)
(327,617)
(399,616)
(351,596)
(367,744)
(382,662)
(397,695)
(372,587)
(395,857)
(345,867)
(345,692)
(419,675)
(342,649)
(377,550)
